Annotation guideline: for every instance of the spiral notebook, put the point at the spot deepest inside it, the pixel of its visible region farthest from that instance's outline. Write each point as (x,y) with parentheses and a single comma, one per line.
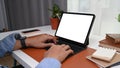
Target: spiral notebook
(105,54)
(104,57)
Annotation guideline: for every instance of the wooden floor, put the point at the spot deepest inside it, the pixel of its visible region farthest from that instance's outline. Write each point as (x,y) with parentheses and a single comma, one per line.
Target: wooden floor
(7,61)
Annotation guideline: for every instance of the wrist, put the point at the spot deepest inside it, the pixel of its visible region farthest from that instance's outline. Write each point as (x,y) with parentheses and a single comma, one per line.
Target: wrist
(23,43)
(22,40)
(27,41)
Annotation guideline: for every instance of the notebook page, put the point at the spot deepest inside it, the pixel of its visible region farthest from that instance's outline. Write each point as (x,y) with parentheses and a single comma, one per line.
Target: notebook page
(104,54)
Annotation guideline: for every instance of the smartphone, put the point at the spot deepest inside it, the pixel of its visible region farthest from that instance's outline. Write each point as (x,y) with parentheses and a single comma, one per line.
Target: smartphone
(28,31)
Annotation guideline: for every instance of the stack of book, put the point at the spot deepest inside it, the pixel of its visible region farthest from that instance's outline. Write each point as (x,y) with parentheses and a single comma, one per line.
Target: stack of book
(106,55)
(111,41)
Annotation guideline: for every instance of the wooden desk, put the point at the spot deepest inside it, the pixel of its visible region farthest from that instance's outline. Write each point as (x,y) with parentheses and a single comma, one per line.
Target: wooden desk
(80,59)
(77,61)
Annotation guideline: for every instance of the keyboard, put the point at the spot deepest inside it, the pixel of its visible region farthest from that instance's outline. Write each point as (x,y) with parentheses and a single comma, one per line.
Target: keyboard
(75,48)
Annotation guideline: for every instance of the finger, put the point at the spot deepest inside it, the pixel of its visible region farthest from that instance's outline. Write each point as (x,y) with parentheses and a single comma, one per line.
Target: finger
(69,51)
(63,45)
(47,44)
(52,38)
(53,45)
(66,47)
(55,40)
(50,35)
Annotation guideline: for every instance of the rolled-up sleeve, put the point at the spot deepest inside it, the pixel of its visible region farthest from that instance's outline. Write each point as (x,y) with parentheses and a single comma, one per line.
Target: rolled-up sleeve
(49,63)
(7,44)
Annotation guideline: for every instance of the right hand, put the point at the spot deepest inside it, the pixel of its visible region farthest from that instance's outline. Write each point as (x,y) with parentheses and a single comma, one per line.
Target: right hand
(39,41)
(59,52)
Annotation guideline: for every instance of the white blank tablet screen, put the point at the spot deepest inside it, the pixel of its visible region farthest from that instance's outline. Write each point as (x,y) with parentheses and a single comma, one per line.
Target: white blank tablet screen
(74,27)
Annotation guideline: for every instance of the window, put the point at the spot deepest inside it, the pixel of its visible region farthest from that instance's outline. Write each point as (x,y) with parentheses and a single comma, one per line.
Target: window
(106,12)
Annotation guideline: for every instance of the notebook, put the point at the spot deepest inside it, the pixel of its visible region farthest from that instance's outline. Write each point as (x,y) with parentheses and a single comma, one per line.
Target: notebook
(105,54)
(103,64)
(74,30)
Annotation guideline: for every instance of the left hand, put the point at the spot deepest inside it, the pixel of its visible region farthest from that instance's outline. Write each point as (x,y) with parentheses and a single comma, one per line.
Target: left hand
(59,52)
(39,41)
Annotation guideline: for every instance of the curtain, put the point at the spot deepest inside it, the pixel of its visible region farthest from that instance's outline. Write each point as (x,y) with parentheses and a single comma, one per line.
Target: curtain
(30,13)
(3,19)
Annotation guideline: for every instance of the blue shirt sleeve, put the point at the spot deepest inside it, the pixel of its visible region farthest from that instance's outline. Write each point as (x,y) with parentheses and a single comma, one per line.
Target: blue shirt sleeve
(49,63)
(7,44)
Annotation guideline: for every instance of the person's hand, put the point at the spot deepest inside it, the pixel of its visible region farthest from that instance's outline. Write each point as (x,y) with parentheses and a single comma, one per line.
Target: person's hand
(40,41)
(59,52)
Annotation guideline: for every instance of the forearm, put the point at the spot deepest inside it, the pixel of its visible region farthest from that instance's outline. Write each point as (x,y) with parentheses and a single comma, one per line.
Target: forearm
(18,44)
(7,44)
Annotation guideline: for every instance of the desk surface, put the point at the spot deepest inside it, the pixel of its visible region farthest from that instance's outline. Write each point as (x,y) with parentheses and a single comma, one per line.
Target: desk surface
(43,29)
(76,60)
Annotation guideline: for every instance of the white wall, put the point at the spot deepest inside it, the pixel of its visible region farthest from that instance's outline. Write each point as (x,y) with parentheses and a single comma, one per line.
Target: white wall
(105,11)
(108,18)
